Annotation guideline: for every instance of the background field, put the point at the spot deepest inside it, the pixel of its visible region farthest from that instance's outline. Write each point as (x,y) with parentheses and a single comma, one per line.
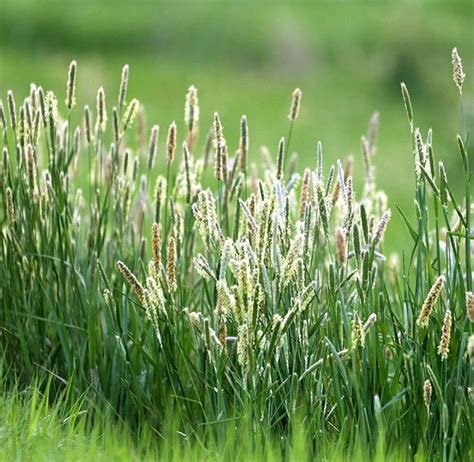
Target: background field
(246,57)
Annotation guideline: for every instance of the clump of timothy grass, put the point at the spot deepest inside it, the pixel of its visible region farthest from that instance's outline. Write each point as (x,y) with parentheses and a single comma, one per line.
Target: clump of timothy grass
(174,292)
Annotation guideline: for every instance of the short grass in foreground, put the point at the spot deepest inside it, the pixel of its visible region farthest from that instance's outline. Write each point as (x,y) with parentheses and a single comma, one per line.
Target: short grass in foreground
(205,304)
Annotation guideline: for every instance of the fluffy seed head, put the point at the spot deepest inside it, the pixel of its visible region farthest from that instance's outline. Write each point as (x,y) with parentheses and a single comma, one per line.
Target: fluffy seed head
(358,332)
(101,111)
(470,306)
(130,113)
(323,212)
(171,143)
(443,347)
(430,302)
(427,391)
(10,207)
(244,144)
(370,322)
(171,263)
(123,86)
(152,146)
(131,279)
(3,119)
(381,226)
(191,108)
(11,109)
(87,124)
(295,105)
(280,159)
(304,198)
(458,72)
(349,206)
(470,349)
(71,86)
(156,246)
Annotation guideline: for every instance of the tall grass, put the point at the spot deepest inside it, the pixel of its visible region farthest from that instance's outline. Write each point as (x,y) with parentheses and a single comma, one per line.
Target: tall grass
(207,291)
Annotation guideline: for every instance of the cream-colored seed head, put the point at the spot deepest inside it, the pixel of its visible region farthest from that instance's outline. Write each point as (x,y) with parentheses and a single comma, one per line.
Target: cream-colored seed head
(295,105)
(458,72)
(443,347)
(430,302)
(470,306)
(71,86)
(171,143)
(427,391)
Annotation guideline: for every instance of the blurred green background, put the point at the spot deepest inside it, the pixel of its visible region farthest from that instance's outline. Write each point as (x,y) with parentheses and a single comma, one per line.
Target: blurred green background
(246,57)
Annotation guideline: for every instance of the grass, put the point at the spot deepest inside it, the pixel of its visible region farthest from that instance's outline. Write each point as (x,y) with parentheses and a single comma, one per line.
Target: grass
(34,428)
(260,315)
(346,73)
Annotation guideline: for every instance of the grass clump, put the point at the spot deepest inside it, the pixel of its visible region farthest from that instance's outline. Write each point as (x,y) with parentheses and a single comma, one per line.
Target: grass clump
(201,295)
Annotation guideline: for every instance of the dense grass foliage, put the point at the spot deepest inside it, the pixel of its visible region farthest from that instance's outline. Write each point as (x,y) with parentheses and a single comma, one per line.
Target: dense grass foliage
(245,63)
(200,293)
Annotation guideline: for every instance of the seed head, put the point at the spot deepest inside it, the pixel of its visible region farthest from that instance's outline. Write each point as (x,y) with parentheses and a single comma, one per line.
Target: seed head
(295,105)
(430,302)
(131,279)
(130,113)
(349,206)
(304,198)
(323,212)
(135,168)
(152,146)
(156,246)
(31,169)
(470,349)
(358,332)
(171,263)
(87,124)
(244,144)
(420,154)
(281,159)
(220,144)
(382,225)
(3,119)
(191,108)
(243,357)
(12,109)
(443,184)
(123,86)
(171,143)
(71,86)
(101,111)
(201,266)
(458,73)
(291,261)
(9,206)
(370,322)
(443,347)
(427,392)
(470,306)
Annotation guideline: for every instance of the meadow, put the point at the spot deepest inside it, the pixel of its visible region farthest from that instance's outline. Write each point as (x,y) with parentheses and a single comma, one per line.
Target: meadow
(282,271)
(195,303)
